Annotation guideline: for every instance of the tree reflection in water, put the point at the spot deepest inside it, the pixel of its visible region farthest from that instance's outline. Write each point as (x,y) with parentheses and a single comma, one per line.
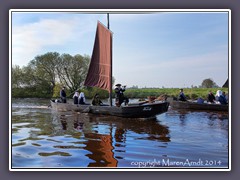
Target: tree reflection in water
(103,134)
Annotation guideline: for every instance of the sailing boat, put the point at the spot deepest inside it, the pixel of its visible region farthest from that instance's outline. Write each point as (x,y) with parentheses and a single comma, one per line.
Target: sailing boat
(100,75)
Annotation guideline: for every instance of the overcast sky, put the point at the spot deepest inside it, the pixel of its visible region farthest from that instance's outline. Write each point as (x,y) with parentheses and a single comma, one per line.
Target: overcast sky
(150,49)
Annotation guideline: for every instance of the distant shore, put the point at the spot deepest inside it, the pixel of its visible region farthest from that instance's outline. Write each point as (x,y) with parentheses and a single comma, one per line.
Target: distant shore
(142,93)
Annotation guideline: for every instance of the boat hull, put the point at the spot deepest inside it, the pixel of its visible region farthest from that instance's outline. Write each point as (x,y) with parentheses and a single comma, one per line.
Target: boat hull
(197,106)
(132,111)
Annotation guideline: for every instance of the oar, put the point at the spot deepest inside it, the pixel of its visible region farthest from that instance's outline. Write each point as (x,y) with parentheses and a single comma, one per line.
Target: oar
(141,103)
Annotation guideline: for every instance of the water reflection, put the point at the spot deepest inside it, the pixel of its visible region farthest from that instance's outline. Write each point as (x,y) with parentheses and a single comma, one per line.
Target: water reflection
(63,122)
(182,118)
(101,148)
(106,135)
(77,122)
(42,138)
(120,135)
(185,115)
(218,116)
(218,120)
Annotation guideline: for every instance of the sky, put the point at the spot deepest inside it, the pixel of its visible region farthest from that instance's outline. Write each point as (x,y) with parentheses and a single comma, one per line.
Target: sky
(171,49)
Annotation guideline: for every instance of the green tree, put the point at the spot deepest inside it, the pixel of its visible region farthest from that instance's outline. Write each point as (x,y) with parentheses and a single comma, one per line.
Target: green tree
(16,76)
(72,70)
(44,72)
(208,83)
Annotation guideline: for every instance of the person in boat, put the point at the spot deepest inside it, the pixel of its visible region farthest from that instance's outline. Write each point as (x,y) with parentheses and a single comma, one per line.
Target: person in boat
(200,100)
(96,100)
(120,98)
(181,96)
(220,97)
(63,95)
(75,97)
(81,98)
(225,95)
(211,98)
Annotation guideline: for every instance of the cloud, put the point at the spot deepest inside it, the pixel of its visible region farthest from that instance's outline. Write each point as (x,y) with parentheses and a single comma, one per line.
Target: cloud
(30,39)
(142,48)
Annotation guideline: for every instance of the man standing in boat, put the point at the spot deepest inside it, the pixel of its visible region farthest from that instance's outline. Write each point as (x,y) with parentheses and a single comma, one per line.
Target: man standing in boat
(120,98)
(63,95)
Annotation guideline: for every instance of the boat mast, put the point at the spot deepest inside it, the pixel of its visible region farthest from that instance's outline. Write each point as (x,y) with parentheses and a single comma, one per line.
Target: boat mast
(110,93)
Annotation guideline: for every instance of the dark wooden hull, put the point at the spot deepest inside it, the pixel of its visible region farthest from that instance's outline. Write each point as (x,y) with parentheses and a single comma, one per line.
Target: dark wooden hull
(132,111)
(197,106)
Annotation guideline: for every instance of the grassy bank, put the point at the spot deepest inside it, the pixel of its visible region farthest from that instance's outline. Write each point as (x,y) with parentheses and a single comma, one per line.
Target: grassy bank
(191,93)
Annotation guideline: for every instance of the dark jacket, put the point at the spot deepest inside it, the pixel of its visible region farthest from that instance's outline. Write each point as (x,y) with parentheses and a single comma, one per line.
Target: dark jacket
(81,100)
(96,101)
(182,97)
(222,99)
(75,100)
(119,93)
(211,98)
(63,96)
(63,93)
(120,98)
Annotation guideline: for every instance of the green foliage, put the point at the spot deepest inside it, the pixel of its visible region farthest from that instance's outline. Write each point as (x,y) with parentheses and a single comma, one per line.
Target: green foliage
(56,90)
(30,92)
(208,83)
(91,91)
(191,93)
(193,96)
(72,70)
(45,75)
(16,76)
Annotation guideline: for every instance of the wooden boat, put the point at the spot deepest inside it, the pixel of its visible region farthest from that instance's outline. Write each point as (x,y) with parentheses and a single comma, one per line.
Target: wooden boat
(146,110)
(196,106)
(100,75)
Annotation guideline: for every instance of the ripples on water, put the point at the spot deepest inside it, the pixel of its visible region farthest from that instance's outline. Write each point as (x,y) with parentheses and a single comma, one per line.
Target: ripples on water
(45,139)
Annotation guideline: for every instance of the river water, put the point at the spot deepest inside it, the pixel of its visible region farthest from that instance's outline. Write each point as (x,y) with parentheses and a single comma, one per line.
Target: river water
(42,138)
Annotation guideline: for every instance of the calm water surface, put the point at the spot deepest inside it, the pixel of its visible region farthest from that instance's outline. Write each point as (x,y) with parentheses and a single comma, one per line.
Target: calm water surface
(42,138)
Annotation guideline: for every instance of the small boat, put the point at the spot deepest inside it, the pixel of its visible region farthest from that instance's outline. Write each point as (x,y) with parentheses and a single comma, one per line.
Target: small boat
(146,110)
(100,75)
(197,106)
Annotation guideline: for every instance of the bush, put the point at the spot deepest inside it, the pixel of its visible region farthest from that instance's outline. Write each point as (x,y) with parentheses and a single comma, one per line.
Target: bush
(193,96)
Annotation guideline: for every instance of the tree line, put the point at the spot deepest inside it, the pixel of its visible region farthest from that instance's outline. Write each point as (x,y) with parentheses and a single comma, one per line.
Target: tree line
(45,75)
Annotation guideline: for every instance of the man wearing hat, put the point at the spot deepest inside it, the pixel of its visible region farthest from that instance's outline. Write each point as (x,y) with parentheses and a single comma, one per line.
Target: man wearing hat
(120,98)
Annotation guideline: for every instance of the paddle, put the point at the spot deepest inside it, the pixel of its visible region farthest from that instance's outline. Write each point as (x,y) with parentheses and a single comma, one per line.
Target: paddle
(140,103)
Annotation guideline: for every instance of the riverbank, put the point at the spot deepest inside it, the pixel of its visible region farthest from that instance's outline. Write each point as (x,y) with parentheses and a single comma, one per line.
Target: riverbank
(141,93)
(191,93)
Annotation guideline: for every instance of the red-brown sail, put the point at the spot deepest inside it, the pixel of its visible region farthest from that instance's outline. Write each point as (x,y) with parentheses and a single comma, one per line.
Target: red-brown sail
(99,73)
